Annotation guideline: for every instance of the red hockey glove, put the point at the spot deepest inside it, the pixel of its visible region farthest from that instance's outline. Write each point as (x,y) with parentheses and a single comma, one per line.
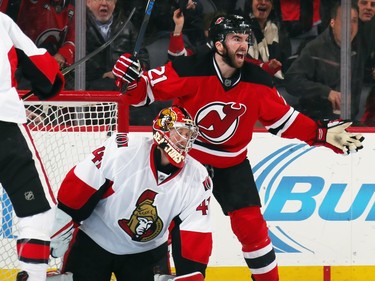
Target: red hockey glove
(195,276)
(62,233)
(333,134)
(126,70)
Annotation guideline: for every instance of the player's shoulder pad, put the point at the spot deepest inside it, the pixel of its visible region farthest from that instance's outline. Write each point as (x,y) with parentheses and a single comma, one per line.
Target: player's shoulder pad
(198,64)
(253,73)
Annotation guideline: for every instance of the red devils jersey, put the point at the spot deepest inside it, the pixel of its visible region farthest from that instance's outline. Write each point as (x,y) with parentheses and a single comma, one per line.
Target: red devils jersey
(51,27)
(225,110)
(136,203)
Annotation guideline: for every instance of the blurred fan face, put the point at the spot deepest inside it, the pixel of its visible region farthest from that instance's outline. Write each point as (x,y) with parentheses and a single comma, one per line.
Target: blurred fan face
(261,9)
(102,9)
(336,25)
(175,132)
(366,9)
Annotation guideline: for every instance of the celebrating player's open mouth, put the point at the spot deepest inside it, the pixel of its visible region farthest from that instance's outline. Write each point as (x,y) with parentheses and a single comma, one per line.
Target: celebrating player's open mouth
(236,46)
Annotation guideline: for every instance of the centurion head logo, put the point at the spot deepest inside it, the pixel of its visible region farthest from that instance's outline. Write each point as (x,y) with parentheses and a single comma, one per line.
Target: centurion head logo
(144,223)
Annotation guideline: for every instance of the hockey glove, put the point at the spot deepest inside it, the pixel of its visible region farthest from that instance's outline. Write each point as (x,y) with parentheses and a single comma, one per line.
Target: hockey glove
(127,70)
(195,276)
(55,89)
(333,134)
(62,230)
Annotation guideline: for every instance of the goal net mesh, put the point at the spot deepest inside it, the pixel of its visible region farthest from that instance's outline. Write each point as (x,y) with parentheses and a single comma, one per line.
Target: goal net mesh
(64,132)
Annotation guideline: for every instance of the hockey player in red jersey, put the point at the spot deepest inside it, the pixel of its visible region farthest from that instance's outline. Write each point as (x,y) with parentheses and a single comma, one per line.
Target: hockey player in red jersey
(226,97)
(21,171)
(126,198)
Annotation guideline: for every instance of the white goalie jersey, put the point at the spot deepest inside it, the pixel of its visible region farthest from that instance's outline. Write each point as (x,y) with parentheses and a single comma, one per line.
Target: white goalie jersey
(136,203)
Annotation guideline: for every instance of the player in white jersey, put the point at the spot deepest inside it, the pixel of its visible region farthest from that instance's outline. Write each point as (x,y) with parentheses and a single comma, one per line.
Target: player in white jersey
(126,198)
(21,171)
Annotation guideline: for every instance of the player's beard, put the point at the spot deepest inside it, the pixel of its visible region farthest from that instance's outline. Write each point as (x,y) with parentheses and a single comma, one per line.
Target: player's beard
(230,58)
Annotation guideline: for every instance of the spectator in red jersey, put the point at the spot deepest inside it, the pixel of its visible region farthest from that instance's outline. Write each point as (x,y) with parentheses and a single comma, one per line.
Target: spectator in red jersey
(300,18)
(49,23)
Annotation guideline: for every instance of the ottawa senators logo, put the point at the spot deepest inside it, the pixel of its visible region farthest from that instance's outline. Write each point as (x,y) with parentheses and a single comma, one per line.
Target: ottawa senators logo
(166,121)
(144,223)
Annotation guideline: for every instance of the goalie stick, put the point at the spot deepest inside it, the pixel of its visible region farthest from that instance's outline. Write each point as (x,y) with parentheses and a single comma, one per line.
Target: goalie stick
(68,69)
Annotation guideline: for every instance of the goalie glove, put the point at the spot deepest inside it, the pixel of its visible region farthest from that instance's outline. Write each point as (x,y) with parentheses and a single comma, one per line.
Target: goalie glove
(62,230)
(126,70)
(195,276)
(333,134)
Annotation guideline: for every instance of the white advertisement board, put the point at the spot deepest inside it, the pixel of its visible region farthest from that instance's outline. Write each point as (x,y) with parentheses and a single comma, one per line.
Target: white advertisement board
(319,205)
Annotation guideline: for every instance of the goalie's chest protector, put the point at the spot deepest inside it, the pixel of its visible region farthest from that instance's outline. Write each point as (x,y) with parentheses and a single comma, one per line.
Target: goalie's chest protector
(136,214)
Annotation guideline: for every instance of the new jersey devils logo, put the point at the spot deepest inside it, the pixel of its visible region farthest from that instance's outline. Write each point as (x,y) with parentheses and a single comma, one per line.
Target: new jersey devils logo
(218,121)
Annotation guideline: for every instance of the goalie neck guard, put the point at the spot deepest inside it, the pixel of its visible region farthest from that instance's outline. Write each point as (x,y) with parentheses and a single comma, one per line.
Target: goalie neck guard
(175,132)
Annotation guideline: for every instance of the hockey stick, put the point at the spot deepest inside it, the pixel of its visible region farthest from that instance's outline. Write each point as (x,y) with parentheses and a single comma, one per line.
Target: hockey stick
(141,35)
(68,69)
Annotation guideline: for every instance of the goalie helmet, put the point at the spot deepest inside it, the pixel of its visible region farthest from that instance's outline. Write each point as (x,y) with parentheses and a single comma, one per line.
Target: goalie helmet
(222,25)
(174,131)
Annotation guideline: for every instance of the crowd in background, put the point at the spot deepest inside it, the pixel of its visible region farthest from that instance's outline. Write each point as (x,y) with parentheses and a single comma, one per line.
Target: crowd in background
(297,42)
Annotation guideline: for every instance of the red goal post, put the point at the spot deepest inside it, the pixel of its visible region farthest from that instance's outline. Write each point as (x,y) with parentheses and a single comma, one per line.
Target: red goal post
(65,129)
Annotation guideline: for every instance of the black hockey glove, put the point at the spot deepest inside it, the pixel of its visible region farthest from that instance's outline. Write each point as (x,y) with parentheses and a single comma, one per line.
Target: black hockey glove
(56,88)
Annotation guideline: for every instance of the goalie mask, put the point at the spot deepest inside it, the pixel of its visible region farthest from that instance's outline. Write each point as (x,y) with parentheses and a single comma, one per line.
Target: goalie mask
(174,131)
(222,25)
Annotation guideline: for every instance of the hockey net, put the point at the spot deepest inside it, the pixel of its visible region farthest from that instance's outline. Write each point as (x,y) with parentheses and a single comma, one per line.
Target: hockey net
(65,130)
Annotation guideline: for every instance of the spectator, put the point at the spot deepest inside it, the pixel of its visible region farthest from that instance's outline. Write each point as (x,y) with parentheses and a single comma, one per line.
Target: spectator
(50,24)
(226,96)
(300,18)
(21,171)
(314,77)
(366,33)
(178,45)
(271,42)
(368,118)
(103,21)
(126,198)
